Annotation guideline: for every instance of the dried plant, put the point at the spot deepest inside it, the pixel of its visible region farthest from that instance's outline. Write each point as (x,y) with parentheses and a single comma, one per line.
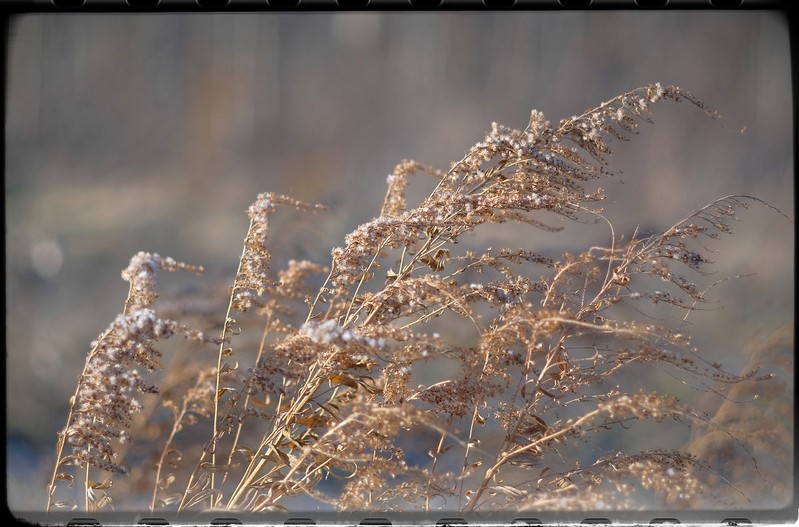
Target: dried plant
(335,383)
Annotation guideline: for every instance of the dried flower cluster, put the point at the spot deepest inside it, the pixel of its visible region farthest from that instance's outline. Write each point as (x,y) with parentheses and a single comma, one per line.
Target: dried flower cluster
(353,393)
(105,401)
(104,404)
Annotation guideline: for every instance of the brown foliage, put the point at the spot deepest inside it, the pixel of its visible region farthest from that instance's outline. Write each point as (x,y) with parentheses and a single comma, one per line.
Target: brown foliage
(348,378)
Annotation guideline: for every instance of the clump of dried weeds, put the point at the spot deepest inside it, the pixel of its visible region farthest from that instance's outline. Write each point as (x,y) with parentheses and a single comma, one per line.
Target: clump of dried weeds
(332,403)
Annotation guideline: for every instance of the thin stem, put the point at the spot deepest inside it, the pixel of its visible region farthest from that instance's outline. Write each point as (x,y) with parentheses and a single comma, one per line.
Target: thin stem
(254,468)
(507,455)
(225,329)
(319,293)
(382,244)
(466,454)
(160,464)
(440,446)
(86,487)
(247,395)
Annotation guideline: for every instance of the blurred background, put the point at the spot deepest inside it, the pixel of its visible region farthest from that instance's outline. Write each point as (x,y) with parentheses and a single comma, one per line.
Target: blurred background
(129,133)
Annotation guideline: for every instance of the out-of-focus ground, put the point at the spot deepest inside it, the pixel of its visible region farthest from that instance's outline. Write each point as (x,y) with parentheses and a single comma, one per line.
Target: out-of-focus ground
(129,133)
